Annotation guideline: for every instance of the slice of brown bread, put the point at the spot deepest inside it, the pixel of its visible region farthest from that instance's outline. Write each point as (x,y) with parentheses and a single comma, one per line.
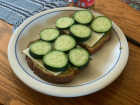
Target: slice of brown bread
(97,46)
(64,77)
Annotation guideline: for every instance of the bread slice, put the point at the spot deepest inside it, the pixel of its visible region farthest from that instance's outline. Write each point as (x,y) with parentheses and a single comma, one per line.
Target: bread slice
(64,77)
(97,46)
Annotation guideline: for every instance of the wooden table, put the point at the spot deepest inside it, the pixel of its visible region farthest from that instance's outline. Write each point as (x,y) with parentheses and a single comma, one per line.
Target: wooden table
(125,90)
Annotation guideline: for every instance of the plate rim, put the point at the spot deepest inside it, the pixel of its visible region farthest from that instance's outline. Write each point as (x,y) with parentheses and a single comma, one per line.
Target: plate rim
(58,94)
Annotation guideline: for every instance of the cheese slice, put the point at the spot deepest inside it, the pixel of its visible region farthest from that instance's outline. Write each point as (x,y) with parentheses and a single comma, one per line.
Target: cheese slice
(39,62)
(93,39)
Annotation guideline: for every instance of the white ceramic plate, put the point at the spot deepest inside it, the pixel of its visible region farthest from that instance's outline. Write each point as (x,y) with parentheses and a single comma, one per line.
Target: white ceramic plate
(105,66)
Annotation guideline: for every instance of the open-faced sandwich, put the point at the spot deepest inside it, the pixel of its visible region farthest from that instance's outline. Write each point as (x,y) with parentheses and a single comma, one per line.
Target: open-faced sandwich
(59,54)
(97,29)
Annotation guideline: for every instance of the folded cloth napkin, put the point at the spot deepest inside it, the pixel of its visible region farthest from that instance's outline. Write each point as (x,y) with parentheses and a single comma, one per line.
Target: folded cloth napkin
(16,11)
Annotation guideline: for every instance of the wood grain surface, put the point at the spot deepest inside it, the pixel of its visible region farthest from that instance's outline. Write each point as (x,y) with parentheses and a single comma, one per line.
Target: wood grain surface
(125,90)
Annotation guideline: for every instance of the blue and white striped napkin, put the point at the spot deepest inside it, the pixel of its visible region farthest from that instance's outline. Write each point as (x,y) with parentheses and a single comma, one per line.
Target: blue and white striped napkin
(16,11)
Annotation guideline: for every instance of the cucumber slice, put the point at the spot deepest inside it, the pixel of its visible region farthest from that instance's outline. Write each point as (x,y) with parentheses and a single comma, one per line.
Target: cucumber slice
(64,43)
(79,58)
(64,23)
(80,32)
(49,34)
(55,61)
(101,24)
(84,17)
(39,48)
